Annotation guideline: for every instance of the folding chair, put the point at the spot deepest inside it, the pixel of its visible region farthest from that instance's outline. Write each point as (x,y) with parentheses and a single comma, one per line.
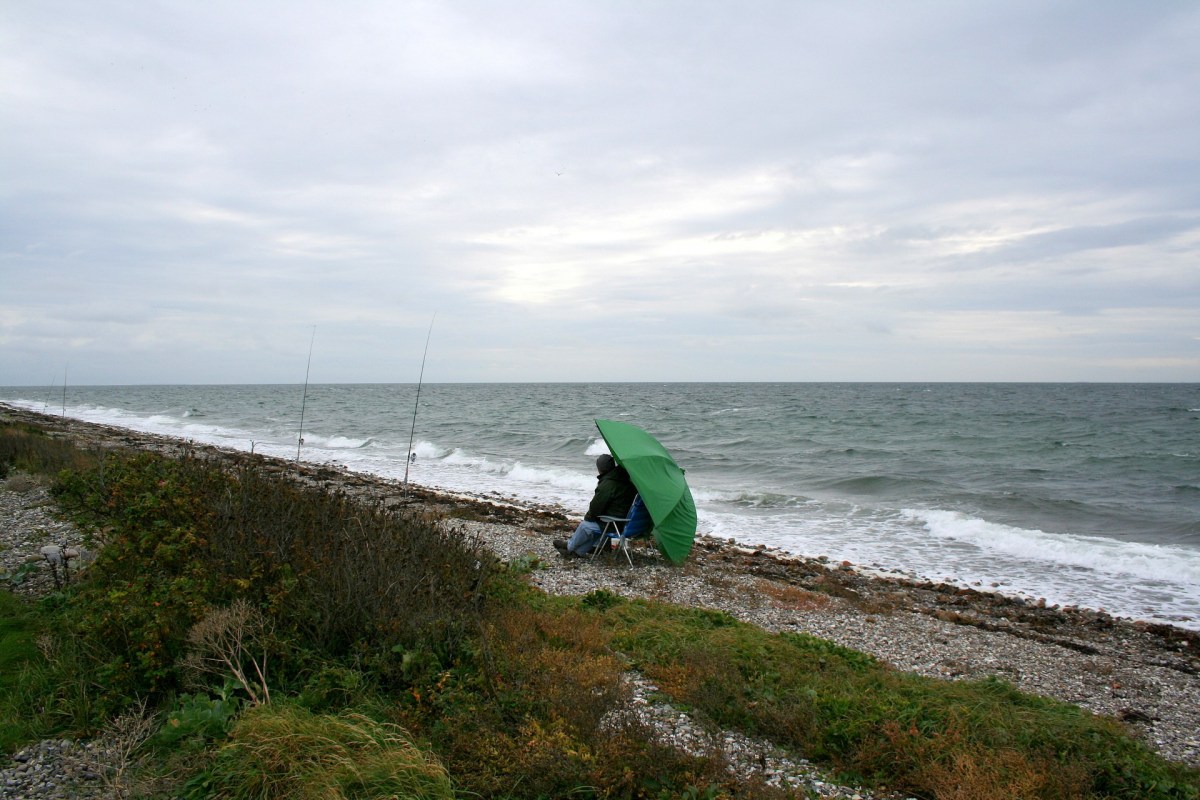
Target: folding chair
(636,523)
(614,528)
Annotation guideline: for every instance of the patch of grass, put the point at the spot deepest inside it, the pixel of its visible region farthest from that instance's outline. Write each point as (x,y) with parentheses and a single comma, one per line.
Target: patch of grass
(289,753)
(29,449)
(19,657)
(966,739)
(793,597)
(546,715)
(42,677)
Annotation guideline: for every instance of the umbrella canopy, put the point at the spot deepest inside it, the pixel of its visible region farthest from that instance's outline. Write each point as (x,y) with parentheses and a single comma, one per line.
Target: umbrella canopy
(659,480)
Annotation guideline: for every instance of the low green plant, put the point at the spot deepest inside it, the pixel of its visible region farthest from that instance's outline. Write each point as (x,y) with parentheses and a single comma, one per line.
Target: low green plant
(287,752)
(20,665)
(199,717)
(19,575)
(525,564)
(335,688)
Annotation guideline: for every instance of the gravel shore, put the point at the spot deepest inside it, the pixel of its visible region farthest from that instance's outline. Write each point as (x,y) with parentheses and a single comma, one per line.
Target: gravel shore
(1144,674)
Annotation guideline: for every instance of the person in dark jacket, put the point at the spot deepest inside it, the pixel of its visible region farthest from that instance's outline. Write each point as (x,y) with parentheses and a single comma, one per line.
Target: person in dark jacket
(614,495)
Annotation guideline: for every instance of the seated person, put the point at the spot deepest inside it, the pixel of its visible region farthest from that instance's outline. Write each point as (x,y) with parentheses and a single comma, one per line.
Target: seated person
(613,497)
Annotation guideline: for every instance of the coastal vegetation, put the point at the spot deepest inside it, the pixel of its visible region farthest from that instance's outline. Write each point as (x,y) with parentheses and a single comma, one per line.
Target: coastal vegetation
(247,635)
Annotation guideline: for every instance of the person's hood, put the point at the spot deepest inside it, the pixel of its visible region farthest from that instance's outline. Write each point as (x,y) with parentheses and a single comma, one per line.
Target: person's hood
(605,463)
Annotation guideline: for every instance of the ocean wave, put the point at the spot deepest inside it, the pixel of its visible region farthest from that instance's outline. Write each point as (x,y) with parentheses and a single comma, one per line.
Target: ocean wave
(1109,556)
(752,499)
(425,449)
(878,485)
(337,442)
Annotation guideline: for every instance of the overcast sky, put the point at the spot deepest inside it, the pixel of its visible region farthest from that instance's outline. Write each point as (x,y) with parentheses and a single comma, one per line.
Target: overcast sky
(195,192)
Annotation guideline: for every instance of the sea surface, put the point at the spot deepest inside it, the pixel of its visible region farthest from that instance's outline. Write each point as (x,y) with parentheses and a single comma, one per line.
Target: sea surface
(1082,494)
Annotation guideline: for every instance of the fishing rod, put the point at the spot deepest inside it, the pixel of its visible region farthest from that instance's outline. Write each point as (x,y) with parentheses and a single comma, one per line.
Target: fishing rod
(420,379)
(64,410)
(304,397)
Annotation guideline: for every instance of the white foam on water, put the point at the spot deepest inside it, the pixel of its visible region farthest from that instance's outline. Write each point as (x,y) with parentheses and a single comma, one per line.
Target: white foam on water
(1109,556)
(1126,579)
(335,442)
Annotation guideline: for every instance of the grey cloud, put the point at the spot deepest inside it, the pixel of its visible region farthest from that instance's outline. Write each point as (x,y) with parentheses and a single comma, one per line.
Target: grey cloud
(763,191)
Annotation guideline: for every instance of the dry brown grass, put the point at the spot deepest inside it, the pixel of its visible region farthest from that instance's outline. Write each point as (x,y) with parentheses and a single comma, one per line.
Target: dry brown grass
(952,768)
(233,642)
(563,659)
(793,598)
(1003,773)
(22,482)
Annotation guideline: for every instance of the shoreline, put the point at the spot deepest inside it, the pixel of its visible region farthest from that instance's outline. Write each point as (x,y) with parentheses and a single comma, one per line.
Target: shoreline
(1135,570)
(1145,674)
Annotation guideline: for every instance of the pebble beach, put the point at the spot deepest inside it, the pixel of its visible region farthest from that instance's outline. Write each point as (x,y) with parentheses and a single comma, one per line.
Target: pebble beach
(1146,675)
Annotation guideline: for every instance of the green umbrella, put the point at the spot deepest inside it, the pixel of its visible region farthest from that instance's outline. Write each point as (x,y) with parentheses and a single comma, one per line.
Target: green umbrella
(659,480)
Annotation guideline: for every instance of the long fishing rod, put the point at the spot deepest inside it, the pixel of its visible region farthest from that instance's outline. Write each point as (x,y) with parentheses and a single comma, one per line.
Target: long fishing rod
(420,379)
(64,391)
(304,397)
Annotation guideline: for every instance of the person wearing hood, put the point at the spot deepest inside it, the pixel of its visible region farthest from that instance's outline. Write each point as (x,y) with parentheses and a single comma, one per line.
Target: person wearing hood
(613,497)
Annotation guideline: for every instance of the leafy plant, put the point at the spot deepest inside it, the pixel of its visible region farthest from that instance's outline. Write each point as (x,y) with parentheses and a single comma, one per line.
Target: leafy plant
(199,716)
(19,575)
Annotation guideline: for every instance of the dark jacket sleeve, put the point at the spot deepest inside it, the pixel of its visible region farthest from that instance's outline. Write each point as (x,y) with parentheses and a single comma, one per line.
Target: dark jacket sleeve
(613,497)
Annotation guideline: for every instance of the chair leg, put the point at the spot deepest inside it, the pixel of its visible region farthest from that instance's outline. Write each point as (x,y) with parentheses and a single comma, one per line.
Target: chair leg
(623,546)
(605,539)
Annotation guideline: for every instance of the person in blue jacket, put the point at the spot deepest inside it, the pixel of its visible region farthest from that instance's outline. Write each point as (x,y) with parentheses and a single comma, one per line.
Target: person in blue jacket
(613,497)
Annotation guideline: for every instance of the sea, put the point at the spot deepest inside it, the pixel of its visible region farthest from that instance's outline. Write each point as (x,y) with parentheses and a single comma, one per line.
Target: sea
(1082,494)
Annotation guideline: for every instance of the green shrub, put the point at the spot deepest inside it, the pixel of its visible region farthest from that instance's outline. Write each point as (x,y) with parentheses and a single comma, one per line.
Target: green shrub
(338,578)
(334,688)
(151,581)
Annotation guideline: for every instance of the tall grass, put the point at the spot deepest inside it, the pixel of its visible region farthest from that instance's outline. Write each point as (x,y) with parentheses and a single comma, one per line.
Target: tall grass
(289,753)
(21,668)
(30,449)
